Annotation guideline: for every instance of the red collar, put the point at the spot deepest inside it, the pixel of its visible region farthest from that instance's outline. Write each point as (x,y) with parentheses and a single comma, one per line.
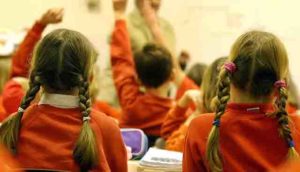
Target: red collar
(251,107)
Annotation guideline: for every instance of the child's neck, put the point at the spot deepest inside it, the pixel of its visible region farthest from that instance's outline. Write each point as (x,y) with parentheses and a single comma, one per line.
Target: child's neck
(73,92)
(239,96)
(250,100)
(161,91)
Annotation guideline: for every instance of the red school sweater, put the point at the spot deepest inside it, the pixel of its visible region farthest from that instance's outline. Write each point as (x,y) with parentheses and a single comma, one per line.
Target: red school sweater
(249,140)
(2,110)
(7,164)
(21,58)
(12,96)
(48,135)
(187,84)
(12,92)
(139,110)
(174,119)
(107,109)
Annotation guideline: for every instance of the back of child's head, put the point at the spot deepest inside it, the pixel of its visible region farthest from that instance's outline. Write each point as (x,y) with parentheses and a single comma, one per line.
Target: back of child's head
(63,60)
(257,66)
(62,63)
(261,60)
(209,84)
(153,65)
(196,72)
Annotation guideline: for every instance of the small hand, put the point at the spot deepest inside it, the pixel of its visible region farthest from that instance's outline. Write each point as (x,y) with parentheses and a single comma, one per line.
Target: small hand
(129,152)
(23,82)
(119,7)
(149,13)
(52,16)
(191,96)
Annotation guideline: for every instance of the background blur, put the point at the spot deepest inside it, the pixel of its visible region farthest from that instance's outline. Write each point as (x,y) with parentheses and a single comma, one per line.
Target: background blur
(205,28)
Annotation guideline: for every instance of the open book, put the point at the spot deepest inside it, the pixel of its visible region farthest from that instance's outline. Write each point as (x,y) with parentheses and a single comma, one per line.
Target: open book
(161,160)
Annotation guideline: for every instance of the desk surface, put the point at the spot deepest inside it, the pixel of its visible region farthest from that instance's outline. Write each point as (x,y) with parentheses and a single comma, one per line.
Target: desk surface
(133,166)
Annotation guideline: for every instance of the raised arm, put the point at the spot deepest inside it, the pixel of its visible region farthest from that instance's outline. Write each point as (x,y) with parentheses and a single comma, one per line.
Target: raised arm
(16,87)
(123,66)
(21,58)
(180,113)
(152,21)
(174,119)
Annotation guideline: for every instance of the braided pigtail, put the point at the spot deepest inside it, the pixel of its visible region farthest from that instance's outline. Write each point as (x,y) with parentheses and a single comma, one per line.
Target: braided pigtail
(9,130)
(282,117)
(85,152)
(223,95)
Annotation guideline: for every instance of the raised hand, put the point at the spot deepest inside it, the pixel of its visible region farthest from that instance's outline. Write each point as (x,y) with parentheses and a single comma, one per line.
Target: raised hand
(149,13)
(119,7)
(24,82)
(191,96)
(52,16)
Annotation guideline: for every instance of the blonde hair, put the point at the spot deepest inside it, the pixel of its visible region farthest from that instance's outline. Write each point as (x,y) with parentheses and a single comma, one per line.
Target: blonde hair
(5,67)
(62,61)
(208,86)
(292,93)
(261,60)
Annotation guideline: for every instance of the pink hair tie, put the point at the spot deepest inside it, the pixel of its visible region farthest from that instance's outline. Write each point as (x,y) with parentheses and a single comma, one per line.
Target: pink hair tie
(280,83)
(230,67)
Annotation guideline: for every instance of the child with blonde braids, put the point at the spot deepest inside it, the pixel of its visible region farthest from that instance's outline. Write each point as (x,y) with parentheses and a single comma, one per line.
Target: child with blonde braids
(246,133)
(7,163)
(14,90)
(61,132)
(179,117)
(153,67)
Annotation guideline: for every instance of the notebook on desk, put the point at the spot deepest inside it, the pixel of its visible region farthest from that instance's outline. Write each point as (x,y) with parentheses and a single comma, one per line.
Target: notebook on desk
(161,160)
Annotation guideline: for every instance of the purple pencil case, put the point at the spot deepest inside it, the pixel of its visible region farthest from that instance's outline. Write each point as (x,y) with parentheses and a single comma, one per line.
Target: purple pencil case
(136,140)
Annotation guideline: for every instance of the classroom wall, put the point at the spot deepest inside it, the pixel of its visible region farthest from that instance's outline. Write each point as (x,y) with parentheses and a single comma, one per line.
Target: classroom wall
(205,28)
(208,28)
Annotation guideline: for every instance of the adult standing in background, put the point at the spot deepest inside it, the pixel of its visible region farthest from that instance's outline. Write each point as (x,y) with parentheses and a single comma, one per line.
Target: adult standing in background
(140,25)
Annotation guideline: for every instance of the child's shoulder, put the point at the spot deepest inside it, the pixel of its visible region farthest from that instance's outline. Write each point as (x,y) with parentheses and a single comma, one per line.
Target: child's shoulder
(103,121)
(6,160)
(202,123)
(204,118)
(105,127)
(295,117)
(29,114)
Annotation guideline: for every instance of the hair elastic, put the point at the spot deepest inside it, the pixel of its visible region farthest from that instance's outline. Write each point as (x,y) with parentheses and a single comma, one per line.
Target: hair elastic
(21,110)
(86,118)
(291,144)
(280,83)
(230,67)
(217,122)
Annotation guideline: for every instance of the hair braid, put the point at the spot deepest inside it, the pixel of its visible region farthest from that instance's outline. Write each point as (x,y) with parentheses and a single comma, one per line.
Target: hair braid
(85,152)
(9,130)
(223,95)
(283,121)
